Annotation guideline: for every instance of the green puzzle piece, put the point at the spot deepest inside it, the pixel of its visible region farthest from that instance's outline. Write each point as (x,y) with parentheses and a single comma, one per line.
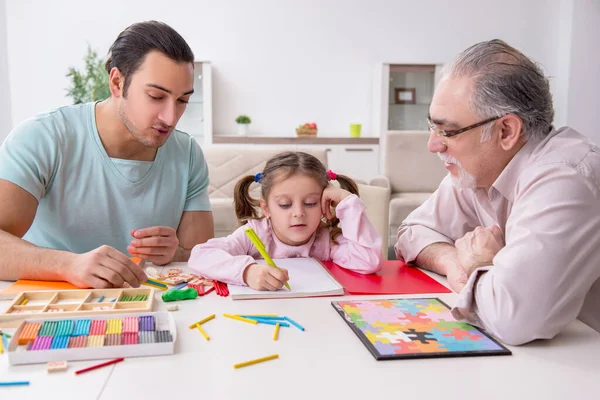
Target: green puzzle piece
(174,295)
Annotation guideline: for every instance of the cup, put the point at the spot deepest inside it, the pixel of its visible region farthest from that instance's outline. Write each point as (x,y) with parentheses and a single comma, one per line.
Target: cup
(355,130)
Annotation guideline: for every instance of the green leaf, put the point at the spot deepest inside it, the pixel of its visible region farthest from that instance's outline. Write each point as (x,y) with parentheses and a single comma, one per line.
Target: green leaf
(91,84)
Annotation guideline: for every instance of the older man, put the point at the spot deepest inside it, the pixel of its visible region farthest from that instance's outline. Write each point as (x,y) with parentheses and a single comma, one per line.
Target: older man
(515,226)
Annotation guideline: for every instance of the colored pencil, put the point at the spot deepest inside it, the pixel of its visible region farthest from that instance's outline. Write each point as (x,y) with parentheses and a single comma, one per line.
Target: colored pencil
(276,333)
(116,360)
(261,249)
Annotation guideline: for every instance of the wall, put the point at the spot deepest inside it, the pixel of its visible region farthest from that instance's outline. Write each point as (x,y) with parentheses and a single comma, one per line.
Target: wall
(282,64)
(5,110)
(584,74)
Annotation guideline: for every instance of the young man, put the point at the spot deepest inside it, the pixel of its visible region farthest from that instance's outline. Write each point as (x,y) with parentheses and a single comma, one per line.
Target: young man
(516,224)
(84,187)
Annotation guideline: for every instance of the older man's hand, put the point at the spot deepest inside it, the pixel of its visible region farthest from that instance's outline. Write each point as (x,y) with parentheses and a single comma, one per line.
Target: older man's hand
(479,247)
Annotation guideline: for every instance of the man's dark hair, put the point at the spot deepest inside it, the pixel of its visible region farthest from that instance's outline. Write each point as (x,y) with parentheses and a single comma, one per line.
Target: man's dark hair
(128,52)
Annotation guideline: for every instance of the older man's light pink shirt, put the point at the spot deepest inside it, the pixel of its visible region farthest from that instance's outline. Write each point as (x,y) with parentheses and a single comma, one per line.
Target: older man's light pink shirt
(547,204)
(358,248)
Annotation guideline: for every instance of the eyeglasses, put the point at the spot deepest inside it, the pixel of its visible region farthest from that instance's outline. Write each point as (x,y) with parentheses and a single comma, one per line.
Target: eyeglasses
(442,132)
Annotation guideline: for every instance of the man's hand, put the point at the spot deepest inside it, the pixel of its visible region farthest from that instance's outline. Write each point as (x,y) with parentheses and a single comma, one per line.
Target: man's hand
(157,244)
(103,267)
(479,247)
(265,277)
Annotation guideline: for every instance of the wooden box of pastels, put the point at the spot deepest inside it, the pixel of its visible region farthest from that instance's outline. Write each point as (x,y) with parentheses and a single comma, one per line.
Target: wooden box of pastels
(52,303)
(40,340)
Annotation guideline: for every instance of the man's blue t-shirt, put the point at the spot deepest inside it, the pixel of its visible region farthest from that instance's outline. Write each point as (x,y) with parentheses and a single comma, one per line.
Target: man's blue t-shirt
(87,199)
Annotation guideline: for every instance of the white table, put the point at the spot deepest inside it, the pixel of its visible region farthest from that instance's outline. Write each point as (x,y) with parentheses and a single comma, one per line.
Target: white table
(324,362)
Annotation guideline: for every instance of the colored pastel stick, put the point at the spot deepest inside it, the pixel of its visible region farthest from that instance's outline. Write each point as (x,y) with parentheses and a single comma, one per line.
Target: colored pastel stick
(250,321)
(192,326)
(16,383)
(258,315)
(180,286)
(100,299)
(24,302)
(261,249)
(116,360)
(202,332)
(271,322)
(265,317)
(157,282)
(297,325)
(258,360)
(155,285)
(276,333)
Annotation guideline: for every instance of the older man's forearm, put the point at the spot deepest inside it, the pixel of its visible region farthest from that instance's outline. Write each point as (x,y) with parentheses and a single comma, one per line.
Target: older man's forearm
(437,257)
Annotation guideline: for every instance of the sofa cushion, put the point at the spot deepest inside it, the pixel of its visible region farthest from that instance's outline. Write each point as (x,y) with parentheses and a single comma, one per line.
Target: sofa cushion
(224,216)
(409,165)
(376,200)
(402,204)
(226,165)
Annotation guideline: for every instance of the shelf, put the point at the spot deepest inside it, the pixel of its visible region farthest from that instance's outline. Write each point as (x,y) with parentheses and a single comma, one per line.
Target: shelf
(416,104)
(293,140)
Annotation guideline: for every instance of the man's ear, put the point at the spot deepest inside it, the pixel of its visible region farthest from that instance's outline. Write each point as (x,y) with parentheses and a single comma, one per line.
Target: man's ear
(115,82)
(511,127)
(264,208)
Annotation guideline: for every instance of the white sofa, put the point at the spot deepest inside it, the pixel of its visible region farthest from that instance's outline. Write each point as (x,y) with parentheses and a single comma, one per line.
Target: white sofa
(411,173)
(227,164)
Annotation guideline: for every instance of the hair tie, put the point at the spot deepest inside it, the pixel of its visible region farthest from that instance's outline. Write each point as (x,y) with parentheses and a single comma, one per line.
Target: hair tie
(332,176)
(258,177)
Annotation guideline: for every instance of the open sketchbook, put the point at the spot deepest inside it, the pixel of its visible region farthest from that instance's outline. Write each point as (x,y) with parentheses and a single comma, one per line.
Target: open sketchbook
(308,278)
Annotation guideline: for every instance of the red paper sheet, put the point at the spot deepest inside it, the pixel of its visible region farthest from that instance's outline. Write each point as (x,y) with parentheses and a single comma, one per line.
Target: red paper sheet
(395,277)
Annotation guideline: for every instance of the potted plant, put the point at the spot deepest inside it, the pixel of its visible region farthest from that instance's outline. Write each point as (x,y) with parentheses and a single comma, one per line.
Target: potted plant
(92,83)
(243,123)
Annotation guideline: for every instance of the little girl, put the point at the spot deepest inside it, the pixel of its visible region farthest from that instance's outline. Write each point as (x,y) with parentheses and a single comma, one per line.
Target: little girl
(297,221)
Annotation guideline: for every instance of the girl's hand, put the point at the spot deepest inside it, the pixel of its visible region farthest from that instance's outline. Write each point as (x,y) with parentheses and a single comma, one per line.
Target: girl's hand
(265,277)
(331,198)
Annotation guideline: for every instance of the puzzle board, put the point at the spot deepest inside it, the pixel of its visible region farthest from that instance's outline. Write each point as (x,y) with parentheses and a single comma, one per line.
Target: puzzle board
(97,337)
(414,328)
(57,303)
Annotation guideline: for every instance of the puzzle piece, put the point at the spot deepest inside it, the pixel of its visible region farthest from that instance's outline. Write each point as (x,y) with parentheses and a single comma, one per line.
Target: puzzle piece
(419,336)
(395,337)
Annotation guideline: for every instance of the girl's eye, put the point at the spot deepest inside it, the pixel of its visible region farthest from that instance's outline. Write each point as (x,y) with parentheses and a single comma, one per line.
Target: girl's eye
(285,206)
(310,204)
(183,101)
(155,98)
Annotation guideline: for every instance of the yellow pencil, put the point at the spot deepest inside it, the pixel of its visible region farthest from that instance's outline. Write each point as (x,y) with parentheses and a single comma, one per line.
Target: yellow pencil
(1,342)
(192,326)
(261,249)
(24,302)
(258,360)
(250,321)
(202,332)
(276,334)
